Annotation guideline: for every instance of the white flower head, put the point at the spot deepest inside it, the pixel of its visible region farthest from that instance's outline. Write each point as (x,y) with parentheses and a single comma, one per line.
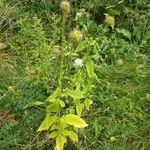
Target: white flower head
(79,14)
(78,63)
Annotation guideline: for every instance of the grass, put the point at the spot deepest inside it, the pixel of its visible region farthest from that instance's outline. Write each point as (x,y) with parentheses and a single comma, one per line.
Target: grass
(30,46)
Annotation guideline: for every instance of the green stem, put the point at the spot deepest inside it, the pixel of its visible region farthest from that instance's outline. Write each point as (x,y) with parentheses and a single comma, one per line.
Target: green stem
(62,51)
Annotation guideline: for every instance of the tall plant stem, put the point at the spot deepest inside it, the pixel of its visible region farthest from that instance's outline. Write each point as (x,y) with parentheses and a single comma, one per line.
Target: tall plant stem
(62,50)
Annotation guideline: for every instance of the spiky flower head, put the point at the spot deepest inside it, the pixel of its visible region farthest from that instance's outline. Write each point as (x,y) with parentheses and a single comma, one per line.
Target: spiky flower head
(119,62)
(2,45)
(65,6)
(110,20)
(76,36)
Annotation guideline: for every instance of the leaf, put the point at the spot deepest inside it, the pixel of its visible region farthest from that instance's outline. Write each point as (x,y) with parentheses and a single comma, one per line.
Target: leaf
(53,135)
(54,107)
(61,103)
(60,141)
(75,121)
(79,108)
(90,68)
(75,94)
(73,136)
(80,46)
(54,95)
(124,32)
(36,103)
(146,36)
(88,103)
(47,122)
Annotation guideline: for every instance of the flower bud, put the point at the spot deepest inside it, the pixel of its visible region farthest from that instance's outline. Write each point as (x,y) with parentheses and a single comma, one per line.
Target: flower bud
(110,20)
(113,139)
(56,50)
(76,36)
(119,62)
(11,88)
(2,45)
(65,6)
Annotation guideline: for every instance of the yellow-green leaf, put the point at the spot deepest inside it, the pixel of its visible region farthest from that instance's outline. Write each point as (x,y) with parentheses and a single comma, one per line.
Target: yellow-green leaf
(75,94)
(36,103)
(88,103)
(53,107)
(74,120)
(79,108)
(72,135)
(60,141)
(124,32)
(61,103)
(53,135)
(90,68)
(54,95)
(47,122)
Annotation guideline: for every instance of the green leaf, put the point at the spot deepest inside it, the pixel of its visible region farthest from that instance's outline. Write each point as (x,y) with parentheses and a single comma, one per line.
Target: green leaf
(47,122)
(60,141)
(61,103)
(75,94)
(75,121)
(90,67)
(88,103)
(36,103)
(53,135)
(80,46)
(54,95)
(72,135)
(124,32)
(54,107)
(79,108)
(146,36)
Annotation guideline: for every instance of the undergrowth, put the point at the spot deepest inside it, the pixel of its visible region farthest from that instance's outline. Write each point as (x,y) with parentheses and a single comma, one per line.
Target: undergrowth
(102,74)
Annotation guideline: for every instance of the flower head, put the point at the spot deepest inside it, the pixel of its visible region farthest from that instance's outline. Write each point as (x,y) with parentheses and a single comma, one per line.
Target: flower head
(65,6)
(110,20)
(119,62)
(80,14)
(2,45)
(56,50)
(78,63)
(113,139)
(76,36)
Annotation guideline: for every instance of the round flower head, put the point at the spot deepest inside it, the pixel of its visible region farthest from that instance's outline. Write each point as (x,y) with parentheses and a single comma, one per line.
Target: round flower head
(119,62)
(113,139)
(110,20)
(2,45)
(65,6)
(76,36)
(78,63)
(56,50)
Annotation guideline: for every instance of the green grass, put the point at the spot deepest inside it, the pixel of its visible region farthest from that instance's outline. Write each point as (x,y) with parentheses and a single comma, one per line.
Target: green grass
(119,116)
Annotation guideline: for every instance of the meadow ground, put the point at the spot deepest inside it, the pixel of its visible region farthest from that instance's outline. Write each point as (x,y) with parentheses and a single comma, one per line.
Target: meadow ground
(84,64)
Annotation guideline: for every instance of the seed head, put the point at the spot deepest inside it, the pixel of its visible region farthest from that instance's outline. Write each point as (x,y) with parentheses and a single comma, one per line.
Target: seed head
(110,20)
(65,6)
(119,62)
(76,36)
